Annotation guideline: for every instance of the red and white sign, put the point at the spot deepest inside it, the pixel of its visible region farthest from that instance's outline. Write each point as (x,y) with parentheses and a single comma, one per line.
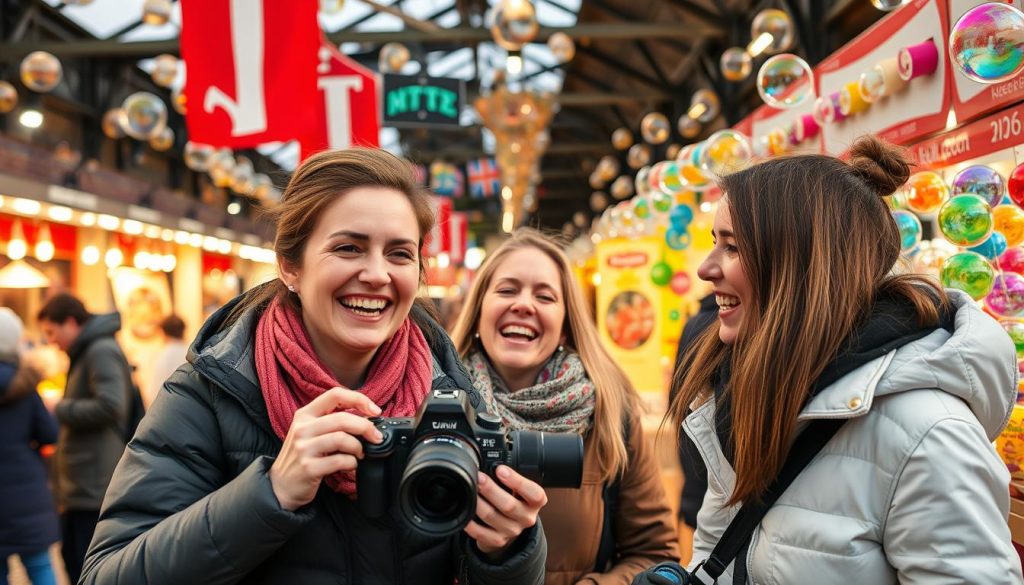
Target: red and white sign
(458,230)
(767,119)
(919,109)
(971,98)
(348,106)
(251,70)
(439,238)
(996,132)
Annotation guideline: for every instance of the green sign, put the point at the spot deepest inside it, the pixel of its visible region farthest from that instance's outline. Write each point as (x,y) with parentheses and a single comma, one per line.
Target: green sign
(422,101)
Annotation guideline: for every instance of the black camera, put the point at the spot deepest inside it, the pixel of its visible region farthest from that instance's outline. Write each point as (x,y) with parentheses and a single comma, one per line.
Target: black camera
(428,464)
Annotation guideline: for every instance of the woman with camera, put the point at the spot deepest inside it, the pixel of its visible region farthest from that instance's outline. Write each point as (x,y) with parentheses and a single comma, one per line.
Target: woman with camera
(533,352)
(874,395)
(243,470)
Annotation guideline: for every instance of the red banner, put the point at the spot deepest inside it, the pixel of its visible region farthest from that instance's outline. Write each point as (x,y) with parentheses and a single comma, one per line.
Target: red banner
(347,106)
(998,131)
(251,70)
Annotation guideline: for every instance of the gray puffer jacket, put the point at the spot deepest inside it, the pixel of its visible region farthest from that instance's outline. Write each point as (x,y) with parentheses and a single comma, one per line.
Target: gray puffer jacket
(909,491)
(191,501)
(92,415)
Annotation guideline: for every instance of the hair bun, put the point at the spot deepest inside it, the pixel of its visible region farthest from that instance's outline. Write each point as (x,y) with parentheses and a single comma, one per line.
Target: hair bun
(882,166)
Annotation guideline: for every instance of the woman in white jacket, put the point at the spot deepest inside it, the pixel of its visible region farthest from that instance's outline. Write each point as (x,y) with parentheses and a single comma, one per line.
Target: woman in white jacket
(813,324)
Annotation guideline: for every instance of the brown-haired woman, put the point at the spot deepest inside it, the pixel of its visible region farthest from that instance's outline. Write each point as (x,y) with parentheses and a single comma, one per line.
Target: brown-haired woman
(814,324)
(532,350)
(243,470)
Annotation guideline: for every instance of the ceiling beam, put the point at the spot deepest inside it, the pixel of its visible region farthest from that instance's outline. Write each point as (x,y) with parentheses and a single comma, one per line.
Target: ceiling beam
(616,31)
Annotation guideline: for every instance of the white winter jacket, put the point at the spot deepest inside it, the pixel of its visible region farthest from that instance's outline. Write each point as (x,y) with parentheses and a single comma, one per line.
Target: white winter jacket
(909,491)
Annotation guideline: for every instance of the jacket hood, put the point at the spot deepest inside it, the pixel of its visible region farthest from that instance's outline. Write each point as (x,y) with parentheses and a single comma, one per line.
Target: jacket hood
(98,326)
(976,362)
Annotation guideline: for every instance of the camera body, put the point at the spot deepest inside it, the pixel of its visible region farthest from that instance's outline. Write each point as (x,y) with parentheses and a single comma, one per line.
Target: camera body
(428,463)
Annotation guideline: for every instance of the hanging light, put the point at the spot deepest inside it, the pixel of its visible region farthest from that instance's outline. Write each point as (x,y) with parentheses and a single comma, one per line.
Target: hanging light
(31,118)
(90,255)
(21,274)
(114,256)
(17,247)
(760,43)
(44,244)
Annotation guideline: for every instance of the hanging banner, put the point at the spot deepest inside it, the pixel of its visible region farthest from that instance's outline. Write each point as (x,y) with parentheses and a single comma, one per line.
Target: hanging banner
(251,70)
(418,100)
(348,108)
(1004,129)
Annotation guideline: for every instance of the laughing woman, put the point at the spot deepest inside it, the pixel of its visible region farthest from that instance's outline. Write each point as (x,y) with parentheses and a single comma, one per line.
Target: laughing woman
(534,353)
(243,469)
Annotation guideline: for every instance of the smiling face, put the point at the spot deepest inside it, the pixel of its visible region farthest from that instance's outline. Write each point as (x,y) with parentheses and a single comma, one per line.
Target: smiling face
(724,270)
(522,316)
(358,277)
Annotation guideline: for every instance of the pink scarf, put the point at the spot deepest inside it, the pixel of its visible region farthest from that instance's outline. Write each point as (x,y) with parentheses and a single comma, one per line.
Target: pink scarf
(292,375)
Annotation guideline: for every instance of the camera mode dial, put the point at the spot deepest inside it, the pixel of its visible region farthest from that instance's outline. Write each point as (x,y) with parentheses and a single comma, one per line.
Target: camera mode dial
(491,422)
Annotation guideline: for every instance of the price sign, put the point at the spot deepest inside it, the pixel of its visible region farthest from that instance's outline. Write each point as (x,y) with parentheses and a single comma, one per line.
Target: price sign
(998,131)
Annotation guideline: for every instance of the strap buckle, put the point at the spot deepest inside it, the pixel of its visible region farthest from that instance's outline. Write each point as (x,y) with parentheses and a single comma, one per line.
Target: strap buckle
(708,565)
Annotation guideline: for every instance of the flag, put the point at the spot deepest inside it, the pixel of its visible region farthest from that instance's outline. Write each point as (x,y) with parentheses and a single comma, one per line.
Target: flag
(252,70)
(458,229)
(439,238)
(484,178)
(444,179)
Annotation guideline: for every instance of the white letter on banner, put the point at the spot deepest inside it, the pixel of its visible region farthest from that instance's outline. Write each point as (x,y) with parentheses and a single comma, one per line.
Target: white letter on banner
(247,111)
(339,107)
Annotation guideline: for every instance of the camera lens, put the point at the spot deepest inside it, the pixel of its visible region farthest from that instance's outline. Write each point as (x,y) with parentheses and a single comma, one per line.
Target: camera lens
(437,494)
(550,459)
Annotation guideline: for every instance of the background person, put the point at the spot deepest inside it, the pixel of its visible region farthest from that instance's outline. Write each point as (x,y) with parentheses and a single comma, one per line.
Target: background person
(170,357)
(533,351)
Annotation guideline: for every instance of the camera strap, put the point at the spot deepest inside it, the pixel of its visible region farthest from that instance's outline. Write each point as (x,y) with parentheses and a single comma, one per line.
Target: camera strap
(736,537)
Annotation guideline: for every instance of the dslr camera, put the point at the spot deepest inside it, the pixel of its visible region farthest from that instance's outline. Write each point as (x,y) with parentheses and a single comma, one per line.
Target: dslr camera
(428,464)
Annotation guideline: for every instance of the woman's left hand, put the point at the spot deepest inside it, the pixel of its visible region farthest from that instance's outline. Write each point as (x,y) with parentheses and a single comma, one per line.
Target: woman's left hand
(502,516)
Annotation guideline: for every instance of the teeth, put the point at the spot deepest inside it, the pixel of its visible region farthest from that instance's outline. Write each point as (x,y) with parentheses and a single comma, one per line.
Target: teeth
(517,330)
(362,303)
(724,301)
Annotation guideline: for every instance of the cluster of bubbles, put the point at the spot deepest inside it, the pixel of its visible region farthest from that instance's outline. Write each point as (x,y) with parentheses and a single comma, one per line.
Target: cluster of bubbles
(227,171)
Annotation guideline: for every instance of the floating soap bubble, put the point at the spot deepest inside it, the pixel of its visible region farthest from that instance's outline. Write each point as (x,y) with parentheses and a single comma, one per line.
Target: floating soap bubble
(670,179)
(987,43)
(641,207)
(514,24)
(622,187)
(596,182)
(113,123)
(156,12)
(1012,260)
(968,272)
(662,202)
(1015,329)
(926,192)
(41,71)
(162,140)
(991,248)
(622,139)
(8,97)
(887,5)
(979,180)
(145,115)
(607,168)
(1009,221)
(785,81)
(165,69)
(178,100)
(677,239)
(197,156)
(1007,295)
(910,229)
(639,155)
(704,106)
(393,56)
(640,184)
(673,151)
(724,152)
(965,220)
(688,127)
(736,64)
(655,128)
(562,47)
(680,217)
(776,23)
(598,201)
(1015,185)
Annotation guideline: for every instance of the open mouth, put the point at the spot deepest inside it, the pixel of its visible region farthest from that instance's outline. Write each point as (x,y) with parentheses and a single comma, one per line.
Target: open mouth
(726,303)
(518,333)
(364,306)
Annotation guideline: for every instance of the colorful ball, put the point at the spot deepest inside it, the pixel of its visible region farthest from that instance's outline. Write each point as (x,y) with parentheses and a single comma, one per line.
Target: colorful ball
(991,248)
(987,43)
(1007,295)
(662,202)
(677,239)
(1015,185)
(655,128)
(785,81)
(1009,221)
(926,192)
(41,71)
(680,217)
(622,139)
(966,220)
(641,207)
(979,180)
(661,273)
(1012,260)
(680,283)
(969,272)
(910,229)
(1015,329)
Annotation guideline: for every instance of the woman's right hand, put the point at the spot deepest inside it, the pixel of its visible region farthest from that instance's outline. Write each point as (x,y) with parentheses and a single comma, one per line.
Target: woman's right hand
(320,442)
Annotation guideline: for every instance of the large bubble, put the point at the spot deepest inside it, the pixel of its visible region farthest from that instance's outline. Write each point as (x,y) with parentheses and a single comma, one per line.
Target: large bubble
(1007,295)
(688,127)
(910,229)
(965,220)
(968,272)
(992,248)
(979,180)
(145,115)
(987,43)
(1009,221)
(776,23)
(162,140)
(1015,185)
(156,12)
(926,192)
(515,23)
(887,5)
(113,123)
(639,155)
(622,139)
(197,156)
(785,81)
(736,64)
(41,71)
(393,56)
(165,69)
(655,128)
(705,105)
(562,47)
(724,152)
(8,97)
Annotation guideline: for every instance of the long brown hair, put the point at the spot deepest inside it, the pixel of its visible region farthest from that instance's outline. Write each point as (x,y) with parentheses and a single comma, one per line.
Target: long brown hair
(315,185)
(616,396)
(818,245)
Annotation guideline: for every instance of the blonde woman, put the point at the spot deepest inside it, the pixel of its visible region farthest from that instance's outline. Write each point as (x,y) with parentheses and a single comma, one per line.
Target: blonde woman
(532,350)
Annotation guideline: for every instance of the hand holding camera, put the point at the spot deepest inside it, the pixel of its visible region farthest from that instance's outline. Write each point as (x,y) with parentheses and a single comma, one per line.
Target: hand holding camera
(502,516)
(322,441)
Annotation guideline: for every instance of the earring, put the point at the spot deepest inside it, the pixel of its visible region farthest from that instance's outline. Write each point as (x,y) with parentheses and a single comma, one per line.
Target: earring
(291,288)
(561,348)
(477,335)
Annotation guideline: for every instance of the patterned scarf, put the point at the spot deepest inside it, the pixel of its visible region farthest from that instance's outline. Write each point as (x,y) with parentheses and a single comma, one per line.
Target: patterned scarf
(562,400)
(292,375)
